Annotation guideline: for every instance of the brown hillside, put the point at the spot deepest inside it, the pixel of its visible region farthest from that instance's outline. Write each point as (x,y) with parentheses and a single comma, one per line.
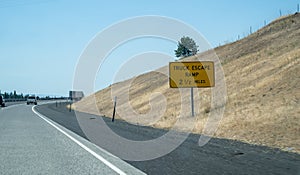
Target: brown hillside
(262,74)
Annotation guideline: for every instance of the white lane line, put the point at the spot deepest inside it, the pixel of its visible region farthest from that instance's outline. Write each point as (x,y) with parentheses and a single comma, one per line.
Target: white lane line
(107,163)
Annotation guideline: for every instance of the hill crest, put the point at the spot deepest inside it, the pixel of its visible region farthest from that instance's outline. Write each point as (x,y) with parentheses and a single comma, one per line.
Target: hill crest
(262,77)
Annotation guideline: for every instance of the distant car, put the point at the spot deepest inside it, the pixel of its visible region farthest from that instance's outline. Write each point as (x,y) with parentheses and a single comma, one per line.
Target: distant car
(2,101)
(32,99)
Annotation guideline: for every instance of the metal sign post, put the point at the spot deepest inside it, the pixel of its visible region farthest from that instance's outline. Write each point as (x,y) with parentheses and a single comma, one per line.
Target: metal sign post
(192,75)
(192,102)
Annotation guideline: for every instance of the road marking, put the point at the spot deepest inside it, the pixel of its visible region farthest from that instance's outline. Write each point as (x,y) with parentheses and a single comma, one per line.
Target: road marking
(107,163)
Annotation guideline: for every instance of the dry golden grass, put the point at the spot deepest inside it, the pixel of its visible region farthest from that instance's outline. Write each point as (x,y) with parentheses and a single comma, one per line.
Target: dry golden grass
(262,74)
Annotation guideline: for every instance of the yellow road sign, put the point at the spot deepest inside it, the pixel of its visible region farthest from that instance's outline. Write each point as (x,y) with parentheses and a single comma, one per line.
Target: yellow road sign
(191,74)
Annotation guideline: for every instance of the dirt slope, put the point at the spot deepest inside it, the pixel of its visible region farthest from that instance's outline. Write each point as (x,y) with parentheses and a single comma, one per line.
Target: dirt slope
(262,74)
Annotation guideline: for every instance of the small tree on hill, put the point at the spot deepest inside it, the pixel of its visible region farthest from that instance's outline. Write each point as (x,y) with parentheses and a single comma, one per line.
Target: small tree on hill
(186,47)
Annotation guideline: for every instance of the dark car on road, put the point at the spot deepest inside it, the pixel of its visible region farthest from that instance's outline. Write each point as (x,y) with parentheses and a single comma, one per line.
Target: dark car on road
(2,101)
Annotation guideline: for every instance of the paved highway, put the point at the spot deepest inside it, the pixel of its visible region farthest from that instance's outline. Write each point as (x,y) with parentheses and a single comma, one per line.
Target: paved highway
(32,144)
(219,156)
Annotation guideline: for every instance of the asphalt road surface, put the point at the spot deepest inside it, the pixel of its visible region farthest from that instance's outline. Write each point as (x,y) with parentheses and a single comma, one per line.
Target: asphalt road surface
(32,144)
(219,156)
(13,103)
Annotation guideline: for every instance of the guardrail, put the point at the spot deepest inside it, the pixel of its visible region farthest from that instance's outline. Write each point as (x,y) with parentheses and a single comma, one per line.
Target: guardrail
(24,99)
(13,100)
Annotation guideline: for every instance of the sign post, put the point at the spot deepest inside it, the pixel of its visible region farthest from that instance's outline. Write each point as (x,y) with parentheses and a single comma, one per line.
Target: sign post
(192,75)
(192,102)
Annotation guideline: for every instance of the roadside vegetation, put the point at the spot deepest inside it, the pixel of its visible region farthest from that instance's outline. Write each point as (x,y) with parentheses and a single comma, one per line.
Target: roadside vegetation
(262,80)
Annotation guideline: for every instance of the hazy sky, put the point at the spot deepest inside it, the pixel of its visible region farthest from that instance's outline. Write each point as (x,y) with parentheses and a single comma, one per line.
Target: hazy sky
(41,41)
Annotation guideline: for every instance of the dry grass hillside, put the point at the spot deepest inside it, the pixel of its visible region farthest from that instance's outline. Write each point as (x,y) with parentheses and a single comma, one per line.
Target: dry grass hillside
(262,74)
